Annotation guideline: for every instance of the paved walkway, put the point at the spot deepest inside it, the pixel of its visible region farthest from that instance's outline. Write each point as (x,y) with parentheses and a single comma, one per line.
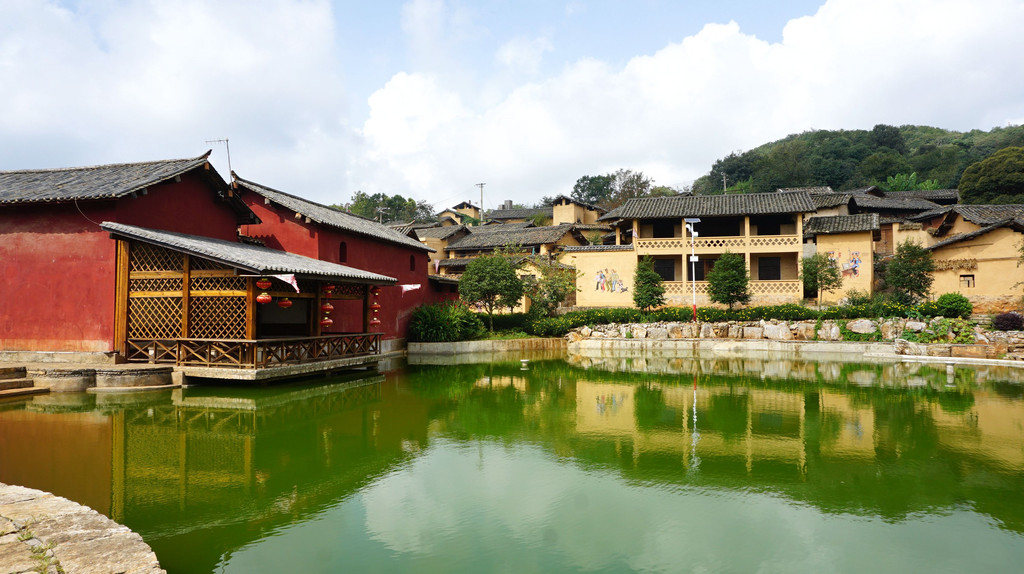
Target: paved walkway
(40,532)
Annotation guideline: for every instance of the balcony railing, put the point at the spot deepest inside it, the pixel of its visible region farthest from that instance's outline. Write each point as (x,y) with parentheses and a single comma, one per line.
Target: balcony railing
(784,287)
(714,245)
(252,354)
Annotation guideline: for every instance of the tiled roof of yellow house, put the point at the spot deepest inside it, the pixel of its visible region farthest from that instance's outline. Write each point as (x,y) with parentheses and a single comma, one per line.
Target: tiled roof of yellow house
(841,224)
(712,205)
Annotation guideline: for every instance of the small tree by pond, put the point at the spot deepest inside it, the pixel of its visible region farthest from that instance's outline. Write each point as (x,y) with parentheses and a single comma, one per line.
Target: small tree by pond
(491,281)
(728,280)
(909,272)
(551,287)
(820,273)
(648,291)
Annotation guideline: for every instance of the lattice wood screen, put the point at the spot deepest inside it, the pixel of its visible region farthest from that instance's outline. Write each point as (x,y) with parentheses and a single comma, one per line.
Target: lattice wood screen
(145,257)
(216,318)
(154,317)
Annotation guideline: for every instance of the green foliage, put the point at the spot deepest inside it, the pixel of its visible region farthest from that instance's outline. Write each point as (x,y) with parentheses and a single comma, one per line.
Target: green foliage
(954,305)
(648,290)
(1001,174)
(509,321)
(491,281)
(820,273)
(953,330)
(381,207)
(909,272)
(444,322)
(551,288)
(904,182)
(1008,322)
(613,189)
(840,158)
(728,281)
(593,189)
(849,335)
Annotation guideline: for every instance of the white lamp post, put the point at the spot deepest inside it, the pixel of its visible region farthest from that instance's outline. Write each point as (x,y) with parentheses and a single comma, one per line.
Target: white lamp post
(690,222)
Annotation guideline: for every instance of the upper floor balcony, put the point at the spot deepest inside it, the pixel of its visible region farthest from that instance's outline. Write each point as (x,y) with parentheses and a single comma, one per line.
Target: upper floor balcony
(718,235)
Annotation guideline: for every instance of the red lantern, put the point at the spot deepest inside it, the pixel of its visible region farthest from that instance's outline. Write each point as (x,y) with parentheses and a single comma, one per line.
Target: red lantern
(374,322)
(263,283)
(375,291)
(375,307)
(327,307)
(284,303)
(264,298)
(326,322)
(329,289)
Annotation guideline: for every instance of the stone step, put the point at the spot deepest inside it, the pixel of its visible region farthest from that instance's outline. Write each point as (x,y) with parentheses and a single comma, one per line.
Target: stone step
(12,373)
(21,383)
(20,392)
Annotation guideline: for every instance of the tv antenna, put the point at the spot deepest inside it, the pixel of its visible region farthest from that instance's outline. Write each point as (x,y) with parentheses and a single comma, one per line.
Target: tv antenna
(227,146)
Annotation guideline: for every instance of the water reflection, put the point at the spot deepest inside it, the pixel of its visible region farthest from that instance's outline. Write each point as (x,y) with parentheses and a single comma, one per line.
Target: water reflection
(440,458)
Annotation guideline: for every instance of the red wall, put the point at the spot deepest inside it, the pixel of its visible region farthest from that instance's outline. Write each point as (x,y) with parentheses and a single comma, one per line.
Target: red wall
(58,267)
(281,230)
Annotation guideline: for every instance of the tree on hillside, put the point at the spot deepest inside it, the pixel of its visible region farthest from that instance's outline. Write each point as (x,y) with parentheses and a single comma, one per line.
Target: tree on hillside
(820,273)
(593,189)
(384,208)
(998,178)
(909,272)
(784,165)
(889,137)
(904,182)
(648,290)
(728,280)
(491,281)
(885,162)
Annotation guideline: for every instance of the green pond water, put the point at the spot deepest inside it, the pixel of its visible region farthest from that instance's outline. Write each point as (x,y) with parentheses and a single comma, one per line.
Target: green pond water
(579,465)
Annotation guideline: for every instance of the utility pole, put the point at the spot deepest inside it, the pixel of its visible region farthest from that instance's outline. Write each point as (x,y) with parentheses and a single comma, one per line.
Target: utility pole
(723,183)
(481,186)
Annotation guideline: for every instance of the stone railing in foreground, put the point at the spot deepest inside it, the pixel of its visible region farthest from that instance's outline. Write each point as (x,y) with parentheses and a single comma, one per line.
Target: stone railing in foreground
(987,344)
(40,532)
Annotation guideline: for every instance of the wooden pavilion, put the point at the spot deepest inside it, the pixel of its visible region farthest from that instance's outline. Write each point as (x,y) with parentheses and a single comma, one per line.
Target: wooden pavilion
(224,309)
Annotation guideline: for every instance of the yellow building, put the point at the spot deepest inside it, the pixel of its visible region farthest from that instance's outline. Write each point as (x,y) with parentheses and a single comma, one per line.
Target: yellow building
(604,274)
(847,240)
(982,265)
(765,228)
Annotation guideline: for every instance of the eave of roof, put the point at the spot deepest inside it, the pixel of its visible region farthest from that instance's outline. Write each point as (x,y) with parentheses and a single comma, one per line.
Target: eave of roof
(246,257)
(332,217)
(1015,224)
(681,206)
(828,225)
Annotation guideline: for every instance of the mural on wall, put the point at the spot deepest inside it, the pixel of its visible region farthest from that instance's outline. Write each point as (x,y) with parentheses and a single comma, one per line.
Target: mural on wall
(605,280)
(851,267)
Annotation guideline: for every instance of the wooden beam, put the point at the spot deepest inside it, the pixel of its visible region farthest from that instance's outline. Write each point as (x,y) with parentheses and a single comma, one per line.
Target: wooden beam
(366,308)
(185,300)
(250,308)
(122,267)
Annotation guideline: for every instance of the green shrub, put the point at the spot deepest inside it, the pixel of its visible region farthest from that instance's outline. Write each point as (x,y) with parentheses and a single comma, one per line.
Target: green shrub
(445,322)
(1008,322)
(954,305)
(508,322)
(961,329)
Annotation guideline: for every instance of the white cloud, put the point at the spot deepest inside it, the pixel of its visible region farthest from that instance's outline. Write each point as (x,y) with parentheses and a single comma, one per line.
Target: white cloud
(523,54)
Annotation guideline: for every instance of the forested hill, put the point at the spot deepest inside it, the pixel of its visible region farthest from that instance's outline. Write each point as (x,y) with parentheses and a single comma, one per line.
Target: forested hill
(847,159)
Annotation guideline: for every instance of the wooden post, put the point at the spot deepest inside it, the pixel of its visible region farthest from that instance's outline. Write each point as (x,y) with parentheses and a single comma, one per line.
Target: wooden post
(186,280)
(122,266)
(317,330)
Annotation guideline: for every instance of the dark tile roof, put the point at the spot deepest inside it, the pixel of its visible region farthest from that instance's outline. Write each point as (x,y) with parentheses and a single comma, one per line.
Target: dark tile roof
(446,279)
(987,214)
(873,203)
(92,182)
(592,227)
(560,198)
(1017,224)
(332,217)
(940,196)
(502,235)
(464,204)
(591,248)
(828,225)
(249,258)
(439,232)
(824,200)
(518,213)
(712,205)
(924,215)
(813,189)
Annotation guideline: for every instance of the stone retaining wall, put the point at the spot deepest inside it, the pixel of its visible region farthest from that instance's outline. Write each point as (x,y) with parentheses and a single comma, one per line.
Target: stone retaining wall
(40,532)
(489,346)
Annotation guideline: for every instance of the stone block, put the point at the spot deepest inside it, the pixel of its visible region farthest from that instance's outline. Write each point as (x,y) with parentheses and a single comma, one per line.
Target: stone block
(586,331)
(973,351)
(777,332)
(753,333)
(689,331)
(916,326)
(657,333)
(889,330)
(707,331)
(735,332)
(573,337)
(905,347)
(862,326)
(639,332)
(805,331)
(938,350)
(675,331)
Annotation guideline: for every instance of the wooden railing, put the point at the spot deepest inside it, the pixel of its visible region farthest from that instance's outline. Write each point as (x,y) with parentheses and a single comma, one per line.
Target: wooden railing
(714,245)
(784,287)
(251,354)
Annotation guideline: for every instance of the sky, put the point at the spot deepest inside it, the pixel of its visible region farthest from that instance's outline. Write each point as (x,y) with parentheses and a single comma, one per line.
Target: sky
(428,98)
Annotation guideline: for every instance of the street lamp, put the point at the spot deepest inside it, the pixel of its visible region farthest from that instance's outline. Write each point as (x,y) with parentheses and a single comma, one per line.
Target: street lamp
(690,222)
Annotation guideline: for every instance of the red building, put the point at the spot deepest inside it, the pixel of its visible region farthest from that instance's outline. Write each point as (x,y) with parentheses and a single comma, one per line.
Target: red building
(297,225)
(144,262)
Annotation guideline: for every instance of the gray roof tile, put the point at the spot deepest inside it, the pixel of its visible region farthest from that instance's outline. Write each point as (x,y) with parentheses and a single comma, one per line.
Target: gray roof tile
(591,248)
(501,235)
(332,217)
(92,182)
(987,214)
(250,258)
(518,213)
(439,232)
(828,225)
(1017,224)
(712,205)
(871,202)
